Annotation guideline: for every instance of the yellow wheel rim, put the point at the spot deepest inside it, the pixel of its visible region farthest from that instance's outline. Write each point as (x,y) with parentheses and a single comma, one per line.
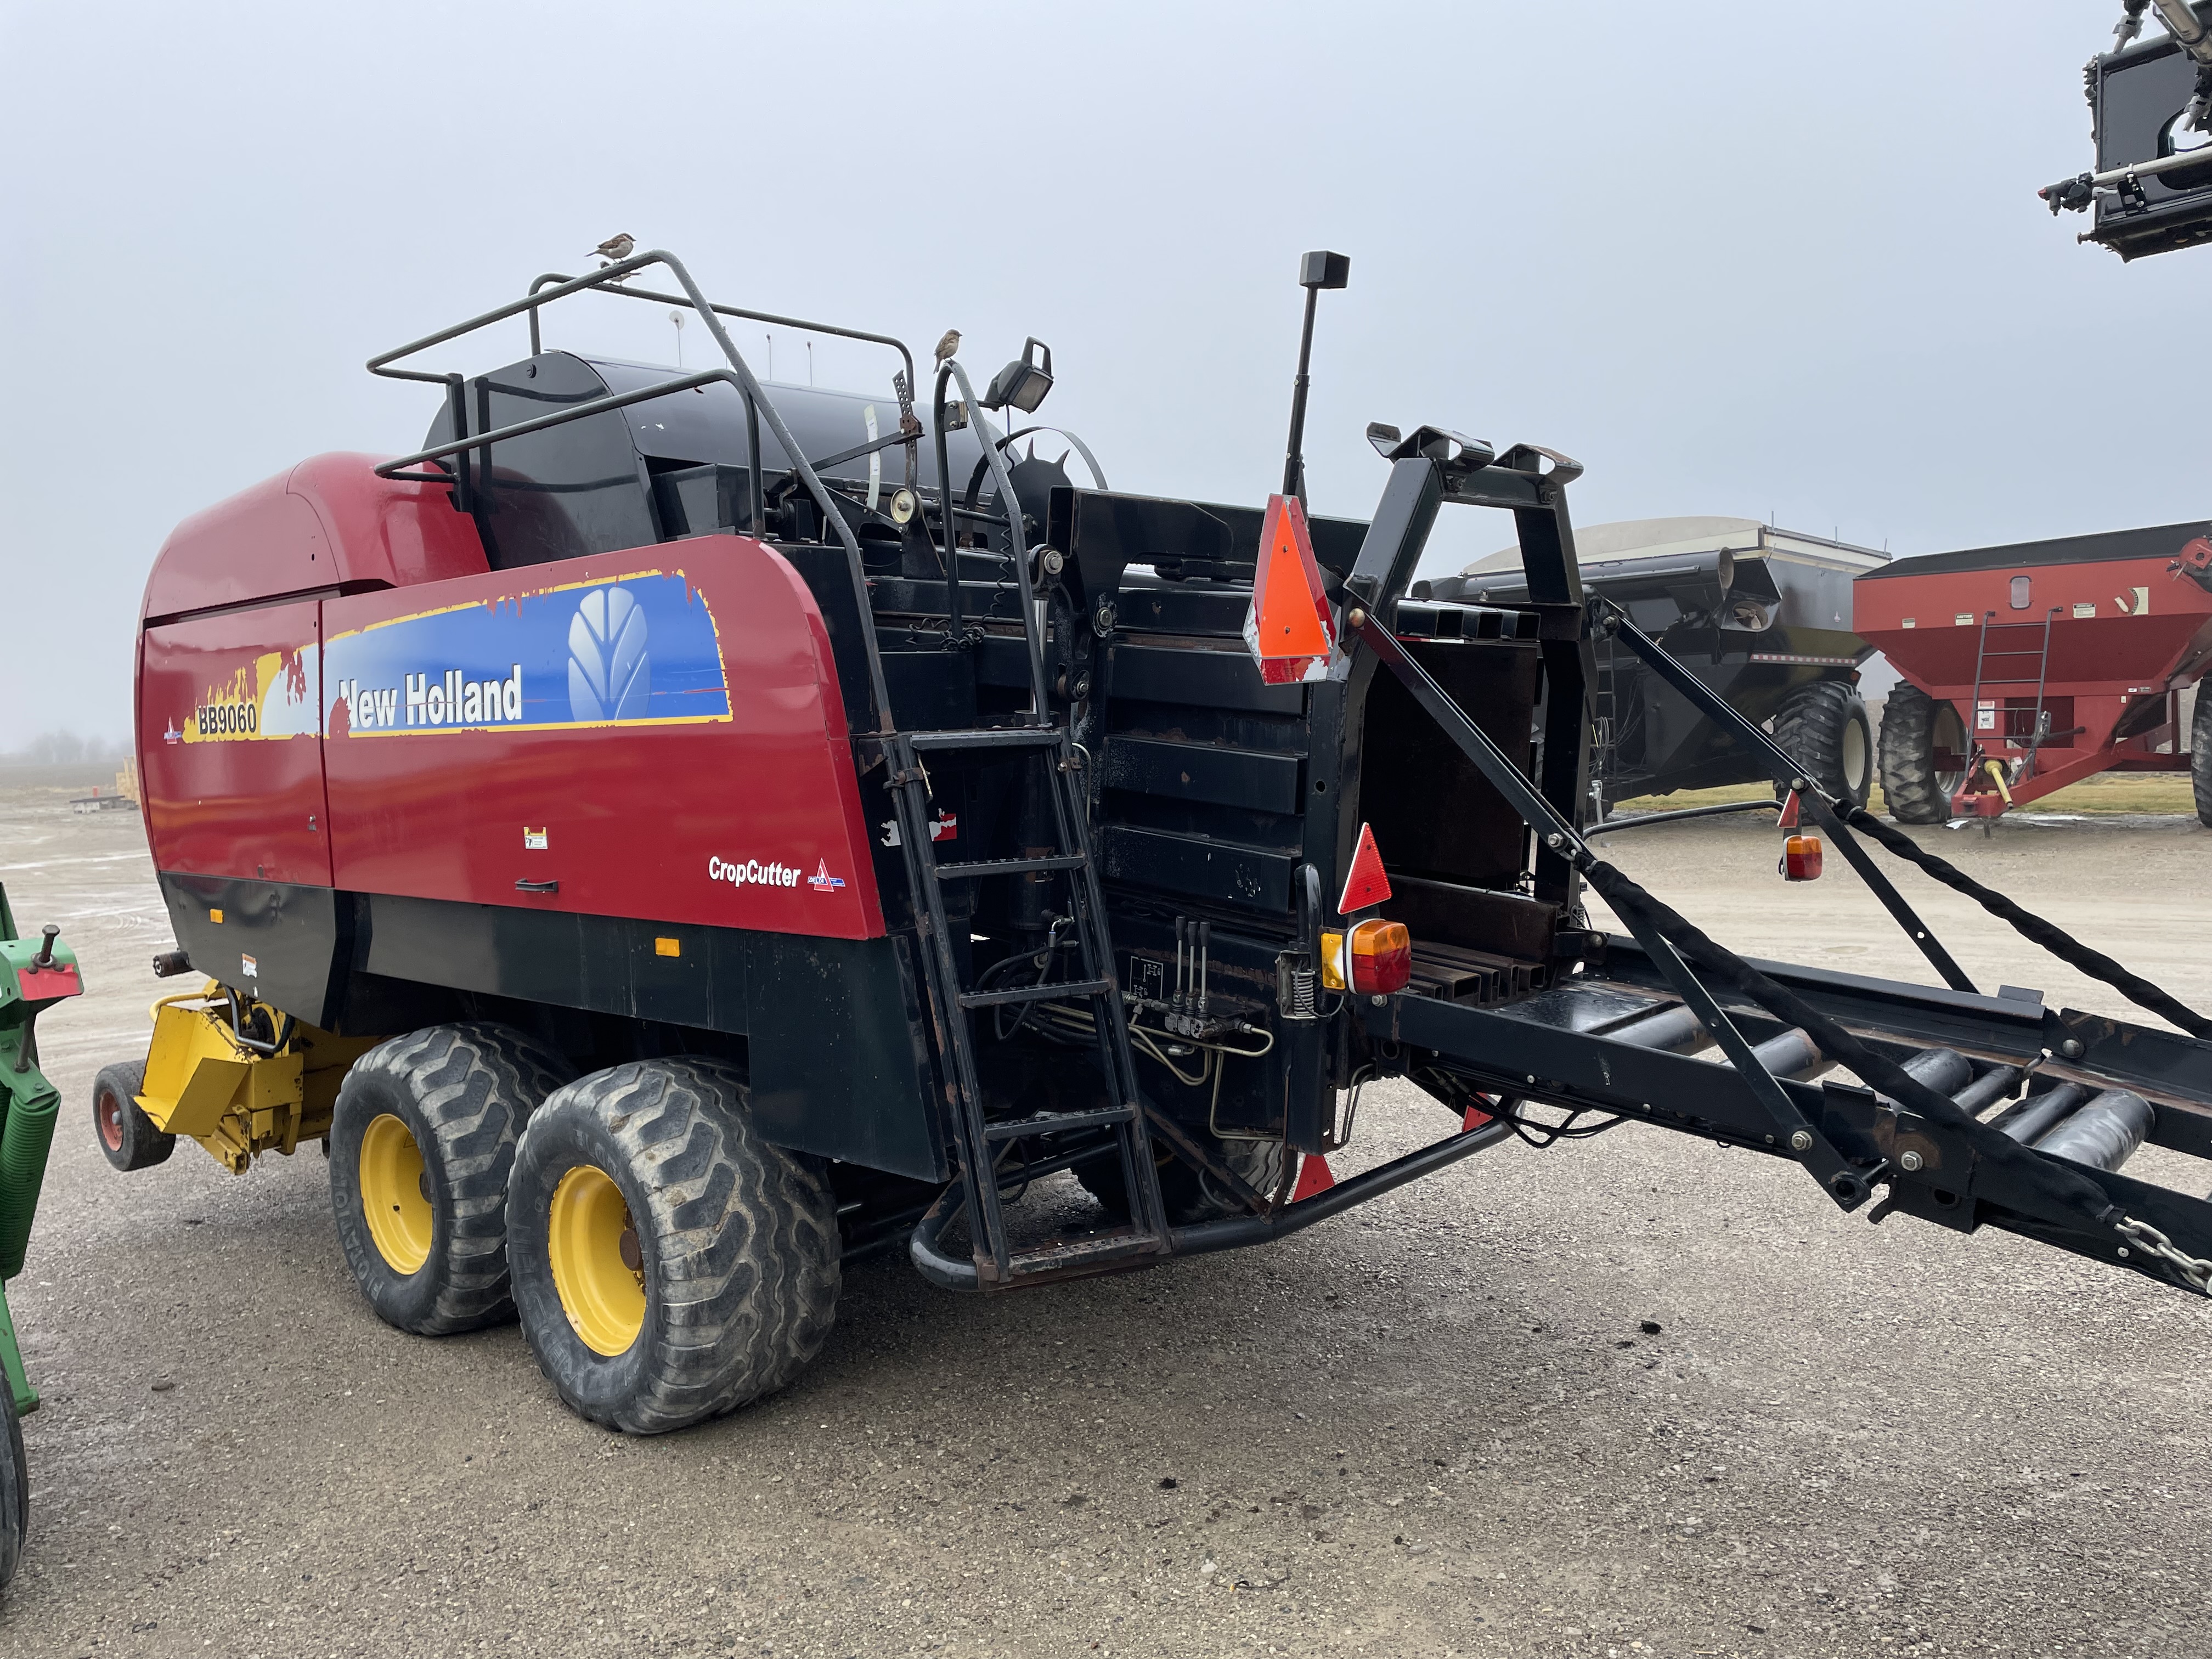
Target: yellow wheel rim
(597,1267)
(393,1200)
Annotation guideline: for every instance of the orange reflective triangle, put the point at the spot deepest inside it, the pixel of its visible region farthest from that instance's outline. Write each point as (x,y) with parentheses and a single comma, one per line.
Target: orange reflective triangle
(1288,628)
(1367,884)
(1314,1177)
(1475,1118)
(1788,818)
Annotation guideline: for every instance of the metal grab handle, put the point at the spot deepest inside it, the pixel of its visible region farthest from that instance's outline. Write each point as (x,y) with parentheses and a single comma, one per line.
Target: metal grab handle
(536,886)
(1018,543)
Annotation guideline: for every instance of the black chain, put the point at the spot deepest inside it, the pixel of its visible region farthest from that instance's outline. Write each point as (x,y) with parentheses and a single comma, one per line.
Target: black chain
(2056,940)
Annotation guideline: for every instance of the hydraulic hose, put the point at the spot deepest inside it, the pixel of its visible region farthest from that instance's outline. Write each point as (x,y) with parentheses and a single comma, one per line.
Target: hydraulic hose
(1787,772)
(2055,940)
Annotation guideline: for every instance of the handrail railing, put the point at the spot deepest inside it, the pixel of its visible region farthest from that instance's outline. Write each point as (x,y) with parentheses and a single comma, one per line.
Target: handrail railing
(738,374)
(903,385)
(1018,546)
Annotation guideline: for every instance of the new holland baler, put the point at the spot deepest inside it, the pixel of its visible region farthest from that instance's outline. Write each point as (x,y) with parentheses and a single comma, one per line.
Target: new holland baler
(669,835)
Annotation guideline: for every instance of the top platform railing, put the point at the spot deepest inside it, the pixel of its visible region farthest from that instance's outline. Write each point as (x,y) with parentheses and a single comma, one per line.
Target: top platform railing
(738,374)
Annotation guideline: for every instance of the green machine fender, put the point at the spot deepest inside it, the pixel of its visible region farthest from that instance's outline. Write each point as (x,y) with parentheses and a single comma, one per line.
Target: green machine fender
(34,974)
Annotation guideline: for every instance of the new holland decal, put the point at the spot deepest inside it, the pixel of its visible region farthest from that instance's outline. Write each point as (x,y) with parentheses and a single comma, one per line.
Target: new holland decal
(634,650)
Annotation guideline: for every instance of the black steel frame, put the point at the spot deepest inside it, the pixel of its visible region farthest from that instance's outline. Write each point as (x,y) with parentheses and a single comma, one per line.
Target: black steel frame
(1784,770)
(902,382)
(1848,1138)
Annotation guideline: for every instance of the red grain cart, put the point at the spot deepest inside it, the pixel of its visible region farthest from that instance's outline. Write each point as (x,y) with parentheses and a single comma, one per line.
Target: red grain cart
(2034,666)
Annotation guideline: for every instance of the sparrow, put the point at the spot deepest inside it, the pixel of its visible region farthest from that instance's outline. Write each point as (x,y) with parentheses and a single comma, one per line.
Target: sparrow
(616,247)
(948,345)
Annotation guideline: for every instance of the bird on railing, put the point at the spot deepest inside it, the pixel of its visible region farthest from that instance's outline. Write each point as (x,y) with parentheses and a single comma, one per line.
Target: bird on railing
(948,345)
(616,247)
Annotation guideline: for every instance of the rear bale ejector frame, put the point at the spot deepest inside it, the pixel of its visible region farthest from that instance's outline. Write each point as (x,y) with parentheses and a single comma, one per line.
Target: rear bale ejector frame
(1761,615)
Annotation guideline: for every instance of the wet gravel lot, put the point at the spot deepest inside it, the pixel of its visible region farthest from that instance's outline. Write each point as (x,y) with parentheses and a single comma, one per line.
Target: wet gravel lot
(1442,1424)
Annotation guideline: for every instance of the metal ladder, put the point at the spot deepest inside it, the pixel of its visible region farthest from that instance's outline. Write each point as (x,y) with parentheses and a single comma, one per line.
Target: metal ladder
(954,1003)
(2039,719)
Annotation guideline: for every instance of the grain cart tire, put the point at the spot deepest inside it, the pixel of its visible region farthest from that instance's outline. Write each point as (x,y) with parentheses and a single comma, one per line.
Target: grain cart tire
(1823,727)
(422,1138)
(1189,1195)
(126,1135)
(14,1489)
(1912,724)
(670,1265)
(2200,751)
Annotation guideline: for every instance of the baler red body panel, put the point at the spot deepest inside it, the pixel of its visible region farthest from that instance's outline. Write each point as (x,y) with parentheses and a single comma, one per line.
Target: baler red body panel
(328,525)
(2125,634)
(746,814)
(230,761)
(712,784)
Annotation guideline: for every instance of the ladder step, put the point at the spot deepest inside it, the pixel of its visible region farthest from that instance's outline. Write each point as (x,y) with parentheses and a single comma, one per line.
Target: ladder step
(976,870)
(1079,987)
(1057,1122)
(1128,1243)
(1001,1263)
(1009,737)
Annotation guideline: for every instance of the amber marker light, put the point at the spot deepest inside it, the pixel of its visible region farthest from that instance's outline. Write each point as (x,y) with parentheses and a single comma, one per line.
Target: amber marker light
(1381,954)
(1801,858)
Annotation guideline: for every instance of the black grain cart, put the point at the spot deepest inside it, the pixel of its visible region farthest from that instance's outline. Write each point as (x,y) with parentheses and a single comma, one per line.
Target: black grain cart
(1243,829)
(1761,616)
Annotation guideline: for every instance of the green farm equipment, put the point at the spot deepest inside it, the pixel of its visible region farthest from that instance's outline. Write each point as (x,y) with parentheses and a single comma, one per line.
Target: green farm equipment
(34,974)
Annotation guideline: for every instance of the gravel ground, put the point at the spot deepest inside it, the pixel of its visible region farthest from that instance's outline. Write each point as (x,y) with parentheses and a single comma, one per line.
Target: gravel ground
(1446,1424)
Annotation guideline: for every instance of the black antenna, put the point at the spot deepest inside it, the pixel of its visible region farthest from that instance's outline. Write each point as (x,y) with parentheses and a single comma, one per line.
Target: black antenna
(1316,271)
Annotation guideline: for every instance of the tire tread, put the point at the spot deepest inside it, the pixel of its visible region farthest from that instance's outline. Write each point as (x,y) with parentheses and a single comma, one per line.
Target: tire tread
(475,1084)
(144,1146)
(1809,727)
(742,1235)
(1186,1194)
(1909,785)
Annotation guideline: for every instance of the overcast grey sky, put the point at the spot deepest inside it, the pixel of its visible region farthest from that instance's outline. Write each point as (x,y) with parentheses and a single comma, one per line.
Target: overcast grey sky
(1753,259)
